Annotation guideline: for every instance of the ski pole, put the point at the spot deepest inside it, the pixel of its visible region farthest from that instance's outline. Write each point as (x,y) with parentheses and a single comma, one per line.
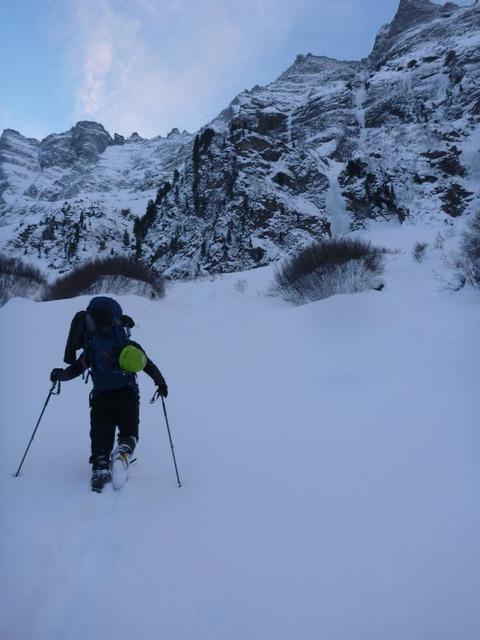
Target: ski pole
(54,391)
(154,399)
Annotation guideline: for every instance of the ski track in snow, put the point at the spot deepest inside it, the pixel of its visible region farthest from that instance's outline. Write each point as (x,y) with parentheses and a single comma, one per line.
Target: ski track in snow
(329,456)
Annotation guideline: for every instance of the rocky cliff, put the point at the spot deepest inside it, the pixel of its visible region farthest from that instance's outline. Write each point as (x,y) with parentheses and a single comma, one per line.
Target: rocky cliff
(327,147)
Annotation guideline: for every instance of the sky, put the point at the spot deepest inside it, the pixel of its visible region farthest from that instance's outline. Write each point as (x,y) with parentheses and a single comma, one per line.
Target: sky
(151,65)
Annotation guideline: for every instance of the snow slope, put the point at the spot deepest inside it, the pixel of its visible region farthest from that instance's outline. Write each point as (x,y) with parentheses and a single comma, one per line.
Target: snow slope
(329,454)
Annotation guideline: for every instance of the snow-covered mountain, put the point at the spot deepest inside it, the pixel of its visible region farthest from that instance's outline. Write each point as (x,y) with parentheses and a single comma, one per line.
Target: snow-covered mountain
(76,194)
(325,147)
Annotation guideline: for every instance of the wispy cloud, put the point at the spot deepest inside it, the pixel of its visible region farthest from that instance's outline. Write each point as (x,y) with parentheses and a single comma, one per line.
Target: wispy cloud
(148,66)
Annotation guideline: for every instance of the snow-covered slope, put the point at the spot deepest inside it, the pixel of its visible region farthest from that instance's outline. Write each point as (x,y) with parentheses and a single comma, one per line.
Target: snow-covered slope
(76,194)
(329,452)
(325,147)
(329,455)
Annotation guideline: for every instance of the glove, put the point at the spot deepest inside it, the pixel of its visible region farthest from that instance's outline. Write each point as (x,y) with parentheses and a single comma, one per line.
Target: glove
(56,375)
(127,322)
(162,388)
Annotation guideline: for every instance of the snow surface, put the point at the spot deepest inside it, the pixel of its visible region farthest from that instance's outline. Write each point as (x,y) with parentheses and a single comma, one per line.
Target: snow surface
(329,455)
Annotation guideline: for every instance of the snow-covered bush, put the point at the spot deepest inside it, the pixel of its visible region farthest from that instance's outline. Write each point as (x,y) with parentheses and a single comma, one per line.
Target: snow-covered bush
(112,275)
(241,285)
(419,251)
(17,278)
(468,263)
(330,267)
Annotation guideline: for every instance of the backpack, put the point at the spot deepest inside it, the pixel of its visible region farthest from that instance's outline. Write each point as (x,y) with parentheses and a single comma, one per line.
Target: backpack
(101,331)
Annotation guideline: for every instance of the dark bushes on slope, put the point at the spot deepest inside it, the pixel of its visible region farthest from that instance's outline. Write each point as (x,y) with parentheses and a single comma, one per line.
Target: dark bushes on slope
(18,278)
(468,263)
(111,275)
(17,267)
(330,267)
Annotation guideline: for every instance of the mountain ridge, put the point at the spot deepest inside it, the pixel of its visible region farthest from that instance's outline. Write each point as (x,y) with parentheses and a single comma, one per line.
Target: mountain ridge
(322,149)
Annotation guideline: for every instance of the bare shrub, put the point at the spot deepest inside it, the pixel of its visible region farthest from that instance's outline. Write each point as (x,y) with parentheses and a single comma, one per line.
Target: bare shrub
(241,285)
(330,267)
(468,263)
(18,278)
(419,251)
(17,267)
(110,275)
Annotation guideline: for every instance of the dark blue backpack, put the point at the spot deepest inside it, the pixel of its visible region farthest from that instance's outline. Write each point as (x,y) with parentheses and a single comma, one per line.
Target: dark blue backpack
(100,331)
(106,338)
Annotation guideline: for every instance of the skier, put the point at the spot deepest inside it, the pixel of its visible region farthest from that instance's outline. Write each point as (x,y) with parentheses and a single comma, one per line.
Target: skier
(113,361)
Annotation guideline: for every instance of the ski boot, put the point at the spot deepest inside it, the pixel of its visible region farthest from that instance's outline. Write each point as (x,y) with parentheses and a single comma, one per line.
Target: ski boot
(120,461)
(100,473)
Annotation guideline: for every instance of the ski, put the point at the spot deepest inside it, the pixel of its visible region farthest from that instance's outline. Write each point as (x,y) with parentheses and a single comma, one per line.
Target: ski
(119,470)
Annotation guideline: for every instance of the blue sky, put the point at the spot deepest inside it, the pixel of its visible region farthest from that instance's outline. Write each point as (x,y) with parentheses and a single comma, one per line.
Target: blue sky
(150,65)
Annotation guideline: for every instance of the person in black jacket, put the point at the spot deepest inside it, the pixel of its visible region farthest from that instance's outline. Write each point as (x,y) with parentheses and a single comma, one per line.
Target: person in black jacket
(114,400)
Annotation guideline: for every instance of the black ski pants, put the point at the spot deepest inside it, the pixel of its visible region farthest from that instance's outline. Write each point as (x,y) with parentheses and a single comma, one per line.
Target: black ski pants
(109,410)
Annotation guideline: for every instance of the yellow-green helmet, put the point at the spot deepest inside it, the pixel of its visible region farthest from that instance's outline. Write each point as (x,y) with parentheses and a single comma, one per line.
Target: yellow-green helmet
(132,359)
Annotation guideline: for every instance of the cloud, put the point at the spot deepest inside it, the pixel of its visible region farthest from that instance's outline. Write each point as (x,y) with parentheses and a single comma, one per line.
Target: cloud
(149,66)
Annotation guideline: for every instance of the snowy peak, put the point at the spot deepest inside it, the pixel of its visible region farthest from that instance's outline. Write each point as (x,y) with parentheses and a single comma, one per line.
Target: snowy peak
(11,140)
(313,65)
(410,14)
(413,12)
(20,154)
(86,141)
